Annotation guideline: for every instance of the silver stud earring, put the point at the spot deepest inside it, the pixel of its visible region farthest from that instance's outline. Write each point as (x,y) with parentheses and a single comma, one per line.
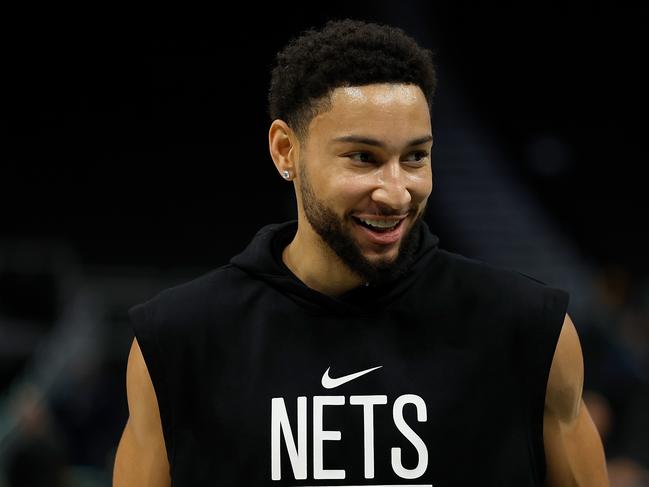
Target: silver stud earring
(287,175)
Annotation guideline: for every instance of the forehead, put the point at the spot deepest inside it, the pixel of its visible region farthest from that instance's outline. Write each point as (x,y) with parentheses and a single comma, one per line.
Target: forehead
(385,110)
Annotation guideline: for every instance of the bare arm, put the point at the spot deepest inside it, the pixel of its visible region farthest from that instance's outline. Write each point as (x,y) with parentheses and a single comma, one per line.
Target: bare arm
(573,448)
(141,458)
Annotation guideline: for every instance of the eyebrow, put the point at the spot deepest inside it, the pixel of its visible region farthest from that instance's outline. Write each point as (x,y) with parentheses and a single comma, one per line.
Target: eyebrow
(370,141)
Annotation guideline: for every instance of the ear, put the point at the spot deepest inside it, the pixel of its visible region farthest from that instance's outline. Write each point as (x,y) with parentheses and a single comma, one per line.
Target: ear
(282,144)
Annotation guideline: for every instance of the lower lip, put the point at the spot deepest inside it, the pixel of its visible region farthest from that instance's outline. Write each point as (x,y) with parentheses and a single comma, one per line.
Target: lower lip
(384,238)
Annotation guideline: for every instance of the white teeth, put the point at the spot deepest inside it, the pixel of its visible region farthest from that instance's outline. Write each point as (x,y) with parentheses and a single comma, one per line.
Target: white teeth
(380,224)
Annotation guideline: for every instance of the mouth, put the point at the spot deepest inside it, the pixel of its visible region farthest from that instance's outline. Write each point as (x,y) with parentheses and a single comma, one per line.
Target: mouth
(379,231)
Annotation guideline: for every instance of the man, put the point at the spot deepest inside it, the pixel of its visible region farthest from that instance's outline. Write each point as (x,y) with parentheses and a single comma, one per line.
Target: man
(346,348)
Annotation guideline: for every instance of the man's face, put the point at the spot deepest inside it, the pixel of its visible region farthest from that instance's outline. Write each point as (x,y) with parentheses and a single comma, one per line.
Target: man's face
(385,178)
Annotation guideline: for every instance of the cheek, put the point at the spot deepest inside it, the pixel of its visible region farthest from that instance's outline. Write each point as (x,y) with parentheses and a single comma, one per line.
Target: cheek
(420,184)
(348,185)
(344,189)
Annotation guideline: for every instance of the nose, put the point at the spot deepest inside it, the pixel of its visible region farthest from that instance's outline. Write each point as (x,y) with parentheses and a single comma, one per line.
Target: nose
(392,190)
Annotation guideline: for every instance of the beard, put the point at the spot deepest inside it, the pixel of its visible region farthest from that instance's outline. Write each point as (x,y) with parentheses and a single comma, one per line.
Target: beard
(339,238)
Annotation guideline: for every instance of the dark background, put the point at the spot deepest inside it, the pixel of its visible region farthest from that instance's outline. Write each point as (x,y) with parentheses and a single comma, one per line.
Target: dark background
(120,136)
(139,146)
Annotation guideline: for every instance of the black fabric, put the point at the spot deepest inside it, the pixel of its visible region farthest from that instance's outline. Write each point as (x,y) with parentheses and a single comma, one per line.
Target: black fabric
(237,356)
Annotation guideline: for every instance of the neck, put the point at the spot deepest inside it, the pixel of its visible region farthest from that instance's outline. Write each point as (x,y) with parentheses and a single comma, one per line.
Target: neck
(316,265)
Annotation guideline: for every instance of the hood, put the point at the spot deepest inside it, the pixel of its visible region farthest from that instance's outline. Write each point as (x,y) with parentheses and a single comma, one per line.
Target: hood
(262,258)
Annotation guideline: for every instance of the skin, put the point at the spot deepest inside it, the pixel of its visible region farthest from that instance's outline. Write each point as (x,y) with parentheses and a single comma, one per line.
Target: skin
(141,458)
(337,180)
(573,447)
(356,178)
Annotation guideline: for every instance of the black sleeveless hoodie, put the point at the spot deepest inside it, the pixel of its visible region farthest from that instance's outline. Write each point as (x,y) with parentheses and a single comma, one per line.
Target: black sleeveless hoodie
(435,379)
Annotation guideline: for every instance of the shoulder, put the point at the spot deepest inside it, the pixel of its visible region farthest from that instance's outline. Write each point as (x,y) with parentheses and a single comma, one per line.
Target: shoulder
(190,305)
(464,267)
(197,289)
(490,281)
(192,296)
(532,309)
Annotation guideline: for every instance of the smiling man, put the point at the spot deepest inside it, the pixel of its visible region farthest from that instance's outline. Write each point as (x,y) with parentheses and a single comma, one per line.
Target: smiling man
(345,347)
(373,180)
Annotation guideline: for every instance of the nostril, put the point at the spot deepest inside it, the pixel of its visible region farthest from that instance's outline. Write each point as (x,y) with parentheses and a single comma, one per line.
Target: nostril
(392,193)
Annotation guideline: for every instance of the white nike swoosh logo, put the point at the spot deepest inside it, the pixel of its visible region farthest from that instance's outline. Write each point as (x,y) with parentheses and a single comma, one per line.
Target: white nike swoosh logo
(329,383)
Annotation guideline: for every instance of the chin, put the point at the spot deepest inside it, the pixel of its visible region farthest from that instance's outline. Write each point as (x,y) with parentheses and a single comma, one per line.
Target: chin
(387,255)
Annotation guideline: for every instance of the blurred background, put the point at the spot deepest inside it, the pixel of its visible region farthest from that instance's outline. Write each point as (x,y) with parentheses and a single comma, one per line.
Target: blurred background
(134,156)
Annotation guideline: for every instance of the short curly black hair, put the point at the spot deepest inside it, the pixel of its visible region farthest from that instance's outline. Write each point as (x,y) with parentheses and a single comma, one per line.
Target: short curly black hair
(343,53)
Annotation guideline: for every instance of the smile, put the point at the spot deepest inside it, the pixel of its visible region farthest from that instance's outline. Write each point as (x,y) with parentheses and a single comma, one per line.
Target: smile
(380,232)
(378,224)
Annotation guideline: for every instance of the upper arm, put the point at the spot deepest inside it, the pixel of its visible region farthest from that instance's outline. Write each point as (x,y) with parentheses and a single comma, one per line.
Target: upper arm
(566,378)
(141,457)
(573,449)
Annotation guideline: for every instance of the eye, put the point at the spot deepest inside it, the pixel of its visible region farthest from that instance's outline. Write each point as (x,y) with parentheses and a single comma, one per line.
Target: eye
(422,155)
(364,155)
(367,157)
